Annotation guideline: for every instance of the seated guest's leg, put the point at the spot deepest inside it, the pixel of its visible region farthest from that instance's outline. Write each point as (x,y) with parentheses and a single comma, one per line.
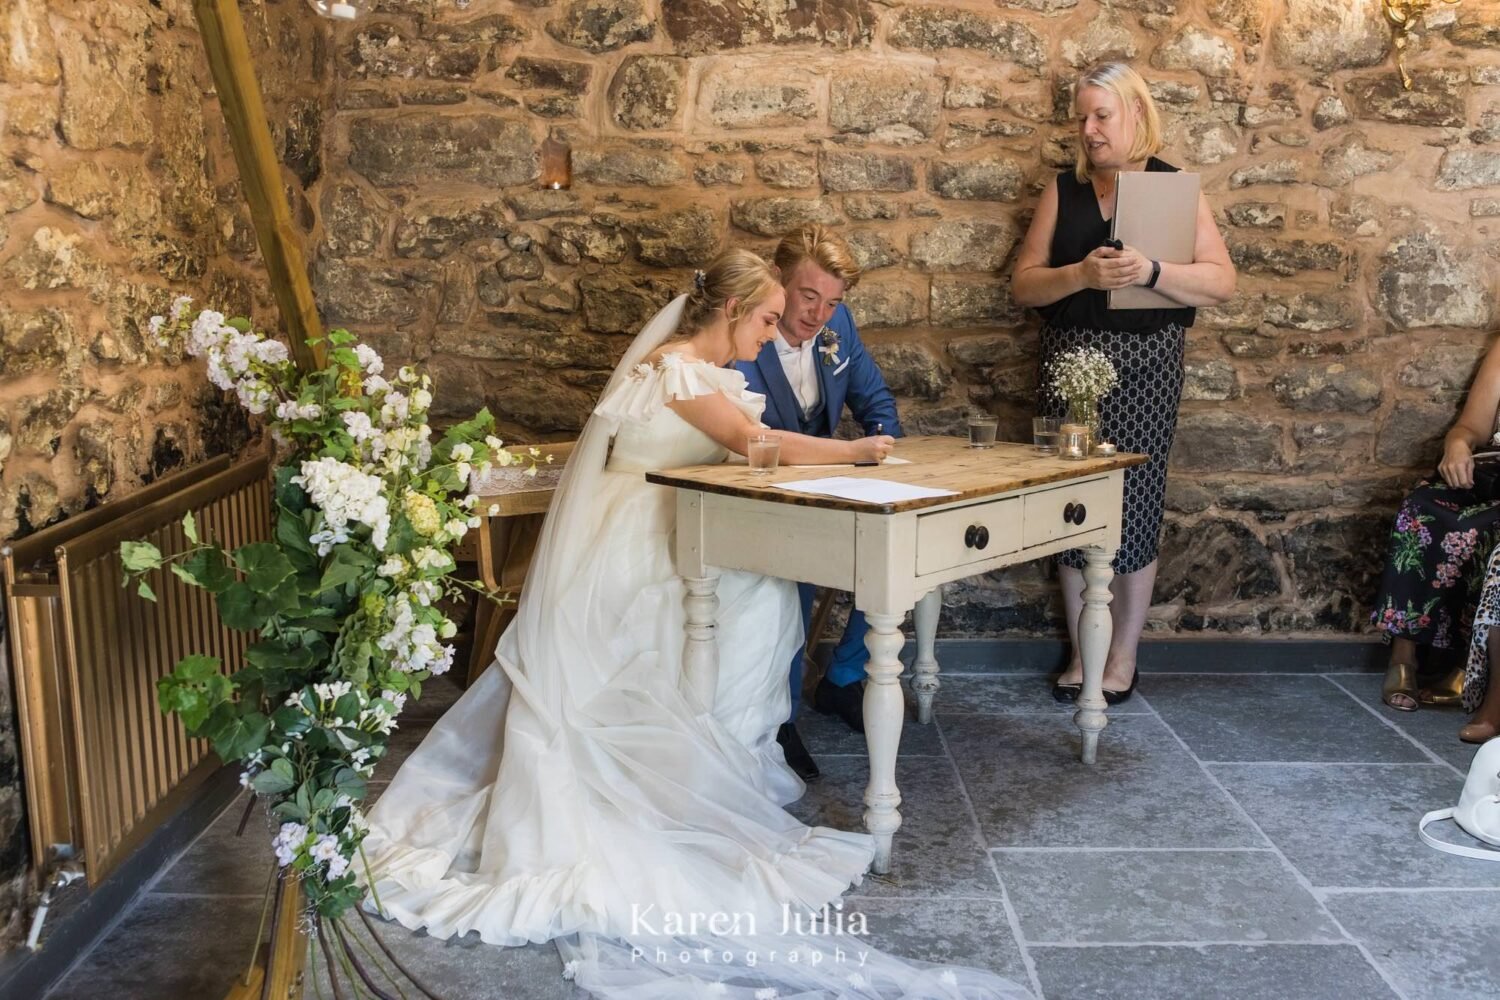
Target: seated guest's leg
(1070,682)
(840,691)
(1485,725)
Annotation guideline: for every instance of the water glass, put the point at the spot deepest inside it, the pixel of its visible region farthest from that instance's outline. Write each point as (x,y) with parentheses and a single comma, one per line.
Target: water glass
(1044,434)
(982,430)
(764,451)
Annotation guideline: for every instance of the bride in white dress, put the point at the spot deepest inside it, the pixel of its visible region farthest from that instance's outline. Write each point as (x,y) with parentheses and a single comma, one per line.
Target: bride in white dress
(578,791)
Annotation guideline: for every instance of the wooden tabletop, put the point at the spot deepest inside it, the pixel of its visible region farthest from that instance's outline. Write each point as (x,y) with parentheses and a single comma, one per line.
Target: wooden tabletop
(946,463)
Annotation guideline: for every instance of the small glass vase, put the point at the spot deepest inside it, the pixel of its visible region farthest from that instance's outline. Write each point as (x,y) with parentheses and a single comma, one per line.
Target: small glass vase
(1086,413)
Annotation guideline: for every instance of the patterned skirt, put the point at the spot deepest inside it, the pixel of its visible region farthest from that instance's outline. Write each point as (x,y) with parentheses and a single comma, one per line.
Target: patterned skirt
(1486,617)
(1435,568)
(1140,415)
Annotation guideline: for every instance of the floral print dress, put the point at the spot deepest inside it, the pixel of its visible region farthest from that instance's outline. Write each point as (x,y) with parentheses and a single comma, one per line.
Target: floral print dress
(1435,571)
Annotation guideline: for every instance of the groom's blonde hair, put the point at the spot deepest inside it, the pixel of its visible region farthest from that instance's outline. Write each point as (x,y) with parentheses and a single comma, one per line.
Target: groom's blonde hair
(733,274)
(822,246)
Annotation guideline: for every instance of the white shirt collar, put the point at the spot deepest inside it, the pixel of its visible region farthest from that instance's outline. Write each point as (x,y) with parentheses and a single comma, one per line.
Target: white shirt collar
(783,348)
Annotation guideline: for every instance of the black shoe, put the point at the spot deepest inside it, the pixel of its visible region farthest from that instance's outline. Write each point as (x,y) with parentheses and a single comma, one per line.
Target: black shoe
(1066,692)
(1116,697)
(797,757)
(847,702)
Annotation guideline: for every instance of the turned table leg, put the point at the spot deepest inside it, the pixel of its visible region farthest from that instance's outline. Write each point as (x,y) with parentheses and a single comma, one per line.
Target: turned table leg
(925,668)
(884,709)
(1094,631)
(700,649)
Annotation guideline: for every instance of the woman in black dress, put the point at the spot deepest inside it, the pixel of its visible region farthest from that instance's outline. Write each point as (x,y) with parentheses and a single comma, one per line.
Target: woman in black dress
(1065,271)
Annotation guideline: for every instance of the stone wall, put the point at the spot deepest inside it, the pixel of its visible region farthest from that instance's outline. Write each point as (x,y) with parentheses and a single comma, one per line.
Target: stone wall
(1363,219)
(118,192)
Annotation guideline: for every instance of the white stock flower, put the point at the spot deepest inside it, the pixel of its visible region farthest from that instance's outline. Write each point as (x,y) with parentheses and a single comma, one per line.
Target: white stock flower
(462,452)
(288,842)
(180,306)
(345,494)
(421,400)
(393,566)
(271,352)
(206,332)
(456,528)
(155,325)
(337,866)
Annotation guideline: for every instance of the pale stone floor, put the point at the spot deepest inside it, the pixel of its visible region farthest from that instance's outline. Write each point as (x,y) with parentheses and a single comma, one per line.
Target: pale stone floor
(1243,835)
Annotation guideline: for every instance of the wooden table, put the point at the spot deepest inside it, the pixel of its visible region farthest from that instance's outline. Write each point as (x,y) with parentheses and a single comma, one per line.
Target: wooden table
(1011,505)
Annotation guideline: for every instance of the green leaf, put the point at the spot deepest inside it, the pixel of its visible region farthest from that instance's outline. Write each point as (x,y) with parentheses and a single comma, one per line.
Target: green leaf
(348,781)
(242,736)
(341,336)
(194,690)
(344,356)
(240,608)
(239,323)
(190,527)
(347,564)
(265,566)
(277,778)
(347,708)
(289,812)
(290,721)
(291,535)
(274,654)
(138,557)
(206,568)
(289,496)
(144,589)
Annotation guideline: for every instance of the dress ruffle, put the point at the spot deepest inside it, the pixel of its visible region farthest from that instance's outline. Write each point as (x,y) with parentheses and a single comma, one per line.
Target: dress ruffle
(649,388)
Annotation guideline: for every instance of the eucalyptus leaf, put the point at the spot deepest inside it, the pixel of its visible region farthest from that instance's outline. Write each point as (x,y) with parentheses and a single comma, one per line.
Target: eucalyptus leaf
(138,557)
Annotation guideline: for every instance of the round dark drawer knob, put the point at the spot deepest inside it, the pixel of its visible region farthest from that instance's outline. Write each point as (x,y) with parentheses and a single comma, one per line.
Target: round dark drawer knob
(971,536)
(1079,513)
(1068,513)
(983,538)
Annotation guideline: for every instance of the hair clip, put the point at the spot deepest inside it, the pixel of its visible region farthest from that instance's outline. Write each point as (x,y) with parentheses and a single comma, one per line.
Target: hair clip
(700,279)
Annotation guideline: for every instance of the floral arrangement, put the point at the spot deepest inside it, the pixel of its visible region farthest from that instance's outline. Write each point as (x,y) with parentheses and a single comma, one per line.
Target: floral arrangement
(344,599)
(829,347)
(1081,378)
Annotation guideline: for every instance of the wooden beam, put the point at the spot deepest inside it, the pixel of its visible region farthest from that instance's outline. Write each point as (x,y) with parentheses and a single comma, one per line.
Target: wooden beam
(233,69)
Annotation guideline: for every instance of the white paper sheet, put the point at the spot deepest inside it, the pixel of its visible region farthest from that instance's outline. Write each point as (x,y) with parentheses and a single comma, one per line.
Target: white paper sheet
(864,490)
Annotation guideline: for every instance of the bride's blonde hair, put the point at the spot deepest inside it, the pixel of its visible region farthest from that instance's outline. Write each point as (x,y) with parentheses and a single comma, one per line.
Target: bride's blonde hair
(733,274)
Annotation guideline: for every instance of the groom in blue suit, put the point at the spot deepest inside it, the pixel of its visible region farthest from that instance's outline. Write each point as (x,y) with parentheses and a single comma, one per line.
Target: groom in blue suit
(815,368)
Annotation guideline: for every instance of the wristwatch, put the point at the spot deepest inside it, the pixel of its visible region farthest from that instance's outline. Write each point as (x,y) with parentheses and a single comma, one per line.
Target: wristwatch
(1155,273)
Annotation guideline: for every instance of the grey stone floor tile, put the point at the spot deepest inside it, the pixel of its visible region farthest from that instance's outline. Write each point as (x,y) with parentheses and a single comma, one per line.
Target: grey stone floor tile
(468,969)
(1433,945)
(937,851)
(1434,728)
(1030,790)
(1264,717)
(168,946)
(970,932)
(827,735)
(1014,694)
(1356,825)
(1244,972)
(221,862)
(1067,897)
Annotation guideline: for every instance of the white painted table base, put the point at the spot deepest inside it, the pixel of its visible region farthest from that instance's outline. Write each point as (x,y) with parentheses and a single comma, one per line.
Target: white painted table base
(876,557)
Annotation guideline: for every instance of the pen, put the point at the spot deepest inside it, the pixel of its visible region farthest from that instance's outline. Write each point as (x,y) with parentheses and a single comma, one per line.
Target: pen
(879,428)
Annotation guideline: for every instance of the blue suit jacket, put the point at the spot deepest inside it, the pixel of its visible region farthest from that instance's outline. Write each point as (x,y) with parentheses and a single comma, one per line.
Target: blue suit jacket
(853,379)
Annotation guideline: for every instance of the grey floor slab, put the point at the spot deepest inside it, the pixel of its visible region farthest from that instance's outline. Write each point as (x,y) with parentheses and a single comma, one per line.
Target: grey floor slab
(972,932)
(1434,728)
(937,850)
(1433,945)
(827,735)
(222,861)
(1356,825)
(168,946)
(1068,897)
(1014,694)
(1273,717)
(1030,790)
(1244,972)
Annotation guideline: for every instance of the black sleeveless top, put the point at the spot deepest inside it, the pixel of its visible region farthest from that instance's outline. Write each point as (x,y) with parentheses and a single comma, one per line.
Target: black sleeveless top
(1081,230)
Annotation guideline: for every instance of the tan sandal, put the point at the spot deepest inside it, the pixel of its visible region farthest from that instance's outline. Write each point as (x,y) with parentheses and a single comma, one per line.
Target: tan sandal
(1400,682)
(1479,732)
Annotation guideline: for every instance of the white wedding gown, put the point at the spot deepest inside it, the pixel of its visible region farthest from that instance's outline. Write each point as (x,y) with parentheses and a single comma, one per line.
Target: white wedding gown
(578,792)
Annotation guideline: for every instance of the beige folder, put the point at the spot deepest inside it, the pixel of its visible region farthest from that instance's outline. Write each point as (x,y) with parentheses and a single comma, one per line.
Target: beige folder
(1157,213)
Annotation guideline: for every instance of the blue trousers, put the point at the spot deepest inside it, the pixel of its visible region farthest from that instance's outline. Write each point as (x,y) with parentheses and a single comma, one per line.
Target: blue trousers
(849,656)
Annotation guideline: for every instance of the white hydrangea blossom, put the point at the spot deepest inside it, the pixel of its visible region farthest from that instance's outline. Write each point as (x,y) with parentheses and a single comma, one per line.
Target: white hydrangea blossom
(368,359)
(290,409)
(345,494)
(288,841)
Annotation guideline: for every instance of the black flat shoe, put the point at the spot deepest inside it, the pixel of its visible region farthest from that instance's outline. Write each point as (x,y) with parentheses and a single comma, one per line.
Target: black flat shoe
(1066,692)
(797,757)
(847,702)
(1116,697)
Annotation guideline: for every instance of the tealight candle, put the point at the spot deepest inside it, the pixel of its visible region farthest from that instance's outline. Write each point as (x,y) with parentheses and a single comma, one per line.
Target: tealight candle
(1105,449)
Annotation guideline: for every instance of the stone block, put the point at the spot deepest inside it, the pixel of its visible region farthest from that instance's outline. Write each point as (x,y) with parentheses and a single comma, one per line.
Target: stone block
(550,74)
(624,167)
(1351,157)
(1210,380)
(1246,18)
(543,204)
(1225,441)
(991,179)
(1214,561)
(1257,215)
(604,244)
(1274,172)
(616,304)
(646,92)
(1334,562)
(889,102)
(422,149)
(776,215)
(602,25)
(1412,435)
(1330,35)
(1426,281)
(784,169)
(880,303)
(863,171)
(688,237)
(28,51)
(933,28)
(910,371)
(1444,367)
(1106,38)
(437,229)
(1330,112)
(872,249)
(960,302)
(1333,388)
(1437,97)
(1462,169)
(735,95)
(361,294)
(34,340)
(1285,257)
(1197,51)
(968,245)
(105,98)
(698,28)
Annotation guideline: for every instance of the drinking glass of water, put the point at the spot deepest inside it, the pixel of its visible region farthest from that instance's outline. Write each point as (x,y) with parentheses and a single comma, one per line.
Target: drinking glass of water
(764,450)
(1044,434)
(982,430)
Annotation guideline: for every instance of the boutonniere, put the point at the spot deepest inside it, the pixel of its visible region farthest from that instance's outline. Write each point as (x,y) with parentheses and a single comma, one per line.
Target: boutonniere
(828,346)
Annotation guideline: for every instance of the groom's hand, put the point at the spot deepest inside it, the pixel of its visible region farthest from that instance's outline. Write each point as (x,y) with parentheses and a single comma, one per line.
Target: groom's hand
(874,448)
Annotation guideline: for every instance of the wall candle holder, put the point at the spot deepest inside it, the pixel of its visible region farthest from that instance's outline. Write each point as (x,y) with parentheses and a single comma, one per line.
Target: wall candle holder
(1403,15)
(557,165)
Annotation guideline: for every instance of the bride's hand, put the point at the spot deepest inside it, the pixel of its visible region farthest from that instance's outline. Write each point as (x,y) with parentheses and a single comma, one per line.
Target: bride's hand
(873,448)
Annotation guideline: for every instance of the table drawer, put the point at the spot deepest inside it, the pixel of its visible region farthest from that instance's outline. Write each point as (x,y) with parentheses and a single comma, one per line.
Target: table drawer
(1074,509)
(949,538)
